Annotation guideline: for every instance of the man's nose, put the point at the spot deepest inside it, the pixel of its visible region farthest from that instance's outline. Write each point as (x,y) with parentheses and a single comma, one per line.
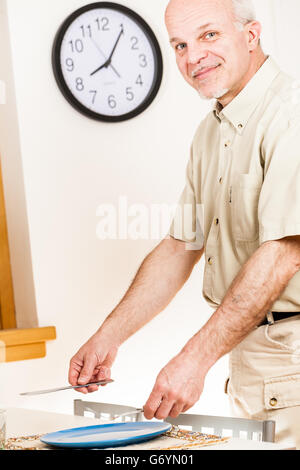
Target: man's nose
(196,52)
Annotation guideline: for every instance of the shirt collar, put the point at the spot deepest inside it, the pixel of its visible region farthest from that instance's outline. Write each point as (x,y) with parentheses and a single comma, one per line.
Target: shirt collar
(240,109)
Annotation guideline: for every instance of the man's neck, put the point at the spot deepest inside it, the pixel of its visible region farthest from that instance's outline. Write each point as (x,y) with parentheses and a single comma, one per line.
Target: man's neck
(255,65)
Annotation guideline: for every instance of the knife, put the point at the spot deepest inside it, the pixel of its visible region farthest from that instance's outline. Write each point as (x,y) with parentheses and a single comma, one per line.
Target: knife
(50,390)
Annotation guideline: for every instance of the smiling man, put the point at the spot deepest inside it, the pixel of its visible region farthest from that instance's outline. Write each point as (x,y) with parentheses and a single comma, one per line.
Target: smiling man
(214,52)
(243,187)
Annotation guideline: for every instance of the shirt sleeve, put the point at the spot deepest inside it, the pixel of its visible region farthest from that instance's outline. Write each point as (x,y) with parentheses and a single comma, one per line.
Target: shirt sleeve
(279,202)
(185,225)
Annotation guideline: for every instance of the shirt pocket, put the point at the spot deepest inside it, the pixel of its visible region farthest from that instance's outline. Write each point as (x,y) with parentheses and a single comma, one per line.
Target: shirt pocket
(282,392)
(244,198)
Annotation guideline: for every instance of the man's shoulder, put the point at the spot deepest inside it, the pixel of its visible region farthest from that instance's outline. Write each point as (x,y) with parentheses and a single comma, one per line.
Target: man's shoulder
(280,118)
(284,97)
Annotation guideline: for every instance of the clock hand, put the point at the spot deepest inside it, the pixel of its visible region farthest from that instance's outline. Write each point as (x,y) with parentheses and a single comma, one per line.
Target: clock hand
(115,70)
(102,66)
(99,68)
(114,48)
(108,62)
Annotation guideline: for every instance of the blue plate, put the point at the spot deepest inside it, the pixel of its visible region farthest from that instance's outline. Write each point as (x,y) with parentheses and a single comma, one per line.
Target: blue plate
(107,435)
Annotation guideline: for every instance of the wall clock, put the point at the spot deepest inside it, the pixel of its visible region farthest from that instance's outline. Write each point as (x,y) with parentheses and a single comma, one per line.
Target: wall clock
(107,62)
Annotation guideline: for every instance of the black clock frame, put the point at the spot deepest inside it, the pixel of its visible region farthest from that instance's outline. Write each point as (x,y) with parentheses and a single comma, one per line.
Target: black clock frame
(56,63)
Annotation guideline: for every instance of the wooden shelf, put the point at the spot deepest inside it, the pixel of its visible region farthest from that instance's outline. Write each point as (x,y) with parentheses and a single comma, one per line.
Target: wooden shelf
(18,344)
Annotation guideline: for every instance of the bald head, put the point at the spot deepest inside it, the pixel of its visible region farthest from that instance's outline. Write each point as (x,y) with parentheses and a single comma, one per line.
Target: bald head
(241,11)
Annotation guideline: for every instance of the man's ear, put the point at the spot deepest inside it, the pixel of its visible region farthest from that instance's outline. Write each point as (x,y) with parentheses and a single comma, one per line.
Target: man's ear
(254,32)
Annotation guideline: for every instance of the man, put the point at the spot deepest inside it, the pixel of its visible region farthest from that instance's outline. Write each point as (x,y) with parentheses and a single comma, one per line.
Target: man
(243,187)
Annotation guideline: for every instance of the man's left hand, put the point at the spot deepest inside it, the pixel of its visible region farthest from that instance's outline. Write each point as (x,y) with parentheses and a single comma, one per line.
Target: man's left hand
(177,388)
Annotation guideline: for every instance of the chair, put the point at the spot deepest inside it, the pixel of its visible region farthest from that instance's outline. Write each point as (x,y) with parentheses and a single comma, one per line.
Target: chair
(222,426)
(218,425)
(107,411)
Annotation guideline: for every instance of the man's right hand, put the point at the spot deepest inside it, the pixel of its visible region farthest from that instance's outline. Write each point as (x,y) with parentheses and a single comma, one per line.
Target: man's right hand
(92,363)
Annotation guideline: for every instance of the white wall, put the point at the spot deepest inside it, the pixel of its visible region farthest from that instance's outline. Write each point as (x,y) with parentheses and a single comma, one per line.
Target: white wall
(71,165)
(13,181)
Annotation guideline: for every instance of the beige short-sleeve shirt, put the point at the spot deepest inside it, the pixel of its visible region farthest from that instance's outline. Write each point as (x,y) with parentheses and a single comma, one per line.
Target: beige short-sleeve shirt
(243,182)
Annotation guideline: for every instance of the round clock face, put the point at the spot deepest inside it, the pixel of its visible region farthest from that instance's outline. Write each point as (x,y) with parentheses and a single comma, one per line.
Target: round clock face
(107,62)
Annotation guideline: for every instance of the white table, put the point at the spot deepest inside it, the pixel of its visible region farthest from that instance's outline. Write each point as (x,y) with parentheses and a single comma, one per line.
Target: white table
(24,422)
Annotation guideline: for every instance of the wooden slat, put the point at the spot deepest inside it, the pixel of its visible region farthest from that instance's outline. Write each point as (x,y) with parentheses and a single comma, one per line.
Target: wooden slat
(20,336)
(7,304)
(22,344)
(25,351)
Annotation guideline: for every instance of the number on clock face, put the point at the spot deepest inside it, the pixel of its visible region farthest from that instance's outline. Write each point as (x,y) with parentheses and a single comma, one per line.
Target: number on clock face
(108,62)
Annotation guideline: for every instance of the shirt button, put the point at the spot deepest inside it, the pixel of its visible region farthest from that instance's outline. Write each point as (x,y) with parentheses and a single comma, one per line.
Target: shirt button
(217,221)
(228,143)
(273,401)
(210,261)
(221,180)
(240,126)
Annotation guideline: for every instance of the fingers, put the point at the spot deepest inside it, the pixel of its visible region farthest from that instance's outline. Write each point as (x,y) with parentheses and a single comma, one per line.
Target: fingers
(103,374)
(104,370)
(90,388)
(185,408)
(90,362)
(167,406)
(82,371)
(164,409)
(167,400)
(177,408)
(74,370)
(153,403)
(88,365)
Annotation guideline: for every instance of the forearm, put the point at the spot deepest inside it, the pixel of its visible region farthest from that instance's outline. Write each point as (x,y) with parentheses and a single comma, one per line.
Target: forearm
(253,292)
(159,278)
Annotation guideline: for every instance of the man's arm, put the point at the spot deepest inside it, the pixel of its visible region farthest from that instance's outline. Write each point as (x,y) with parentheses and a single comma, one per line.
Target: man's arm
(259,283)
(160,277)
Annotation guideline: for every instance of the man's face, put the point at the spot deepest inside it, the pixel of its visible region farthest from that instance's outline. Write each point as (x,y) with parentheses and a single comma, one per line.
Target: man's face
(211,52)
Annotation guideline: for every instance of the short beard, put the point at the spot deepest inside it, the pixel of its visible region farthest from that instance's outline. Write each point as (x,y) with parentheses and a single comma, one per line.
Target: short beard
(219,94)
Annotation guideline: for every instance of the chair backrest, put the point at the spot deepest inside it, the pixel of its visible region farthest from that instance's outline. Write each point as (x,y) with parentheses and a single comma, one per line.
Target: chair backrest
(223,426)
(106,411)
(217,425)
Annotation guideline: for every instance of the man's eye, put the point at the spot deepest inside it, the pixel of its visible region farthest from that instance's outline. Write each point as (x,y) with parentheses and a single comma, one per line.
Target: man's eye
(210,35)
(180,46)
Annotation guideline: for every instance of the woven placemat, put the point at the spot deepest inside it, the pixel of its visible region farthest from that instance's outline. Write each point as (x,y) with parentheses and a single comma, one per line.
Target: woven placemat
(175,439)
(193,439)
(25,443)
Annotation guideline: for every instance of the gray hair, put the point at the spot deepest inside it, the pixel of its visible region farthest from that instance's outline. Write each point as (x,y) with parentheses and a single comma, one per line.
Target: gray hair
(244,11)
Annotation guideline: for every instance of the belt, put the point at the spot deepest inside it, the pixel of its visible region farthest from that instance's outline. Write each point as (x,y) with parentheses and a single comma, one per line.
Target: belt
(277,316)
